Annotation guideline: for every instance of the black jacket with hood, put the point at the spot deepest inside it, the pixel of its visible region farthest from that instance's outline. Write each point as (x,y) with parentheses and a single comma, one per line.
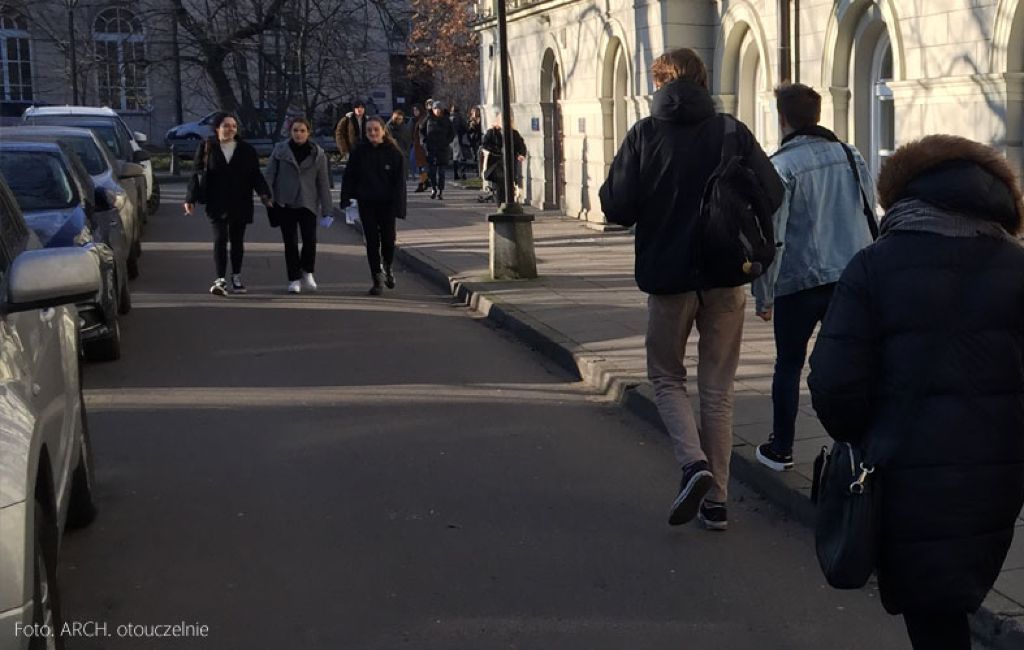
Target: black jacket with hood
(920,359)
(657,179)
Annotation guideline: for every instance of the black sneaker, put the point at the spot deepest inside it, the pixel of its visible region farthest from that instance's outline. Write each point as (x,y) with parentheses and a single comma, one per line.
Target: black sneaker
(697,480)
(389,278)
(378,280)
(433,194)
(713,516)
(236,284)
(220,287)
(772,459)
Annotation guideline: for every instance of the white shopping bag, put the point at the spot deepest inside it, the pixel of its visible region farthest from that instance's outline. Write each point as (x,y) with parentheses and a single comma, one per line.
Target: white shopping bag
(352,214)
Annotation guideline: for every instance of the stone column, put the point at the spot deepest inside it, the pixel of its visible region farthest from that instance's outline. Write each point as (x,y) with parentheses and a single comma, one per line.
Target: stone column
(511,246)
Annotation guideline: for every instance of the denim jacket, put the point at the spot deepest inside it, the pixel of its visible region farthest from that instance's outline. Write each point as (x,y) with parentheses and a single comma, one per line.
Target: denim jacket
(821,223)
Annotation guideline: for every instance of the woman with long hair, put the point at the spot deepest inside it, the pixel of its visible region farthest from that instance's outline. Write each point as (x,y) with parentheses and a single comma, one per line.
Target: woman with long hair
(375,177)
(297,174)
(226,174)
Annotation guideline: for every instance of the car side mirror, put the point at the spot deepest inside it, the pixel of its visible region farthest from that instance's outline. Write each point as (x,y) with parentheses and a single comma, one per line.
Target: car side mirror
(49,277)
(101,201)
(131,170)
(140,156)
(140,137)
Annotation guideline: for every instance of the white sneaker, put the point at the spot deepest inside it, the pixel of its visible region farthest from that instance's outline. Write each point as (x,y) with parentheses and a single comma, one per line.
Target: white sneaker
(308,283)
(295,287)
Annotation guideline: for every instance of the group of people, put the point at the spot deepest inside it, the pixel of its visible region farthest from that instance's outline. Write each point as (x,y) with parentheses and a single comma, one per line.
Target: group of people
(920,354)
(295,189)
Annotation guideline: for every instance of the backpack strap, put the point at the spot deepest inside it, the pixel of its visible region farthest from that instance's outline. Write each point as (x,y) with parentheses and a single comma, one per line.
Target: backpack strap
(868,212)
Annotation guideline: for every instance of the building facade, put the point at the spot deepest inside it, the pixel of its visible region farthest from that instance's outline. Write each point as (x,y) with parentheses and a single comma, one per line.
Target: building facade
(133,57)
(889,71)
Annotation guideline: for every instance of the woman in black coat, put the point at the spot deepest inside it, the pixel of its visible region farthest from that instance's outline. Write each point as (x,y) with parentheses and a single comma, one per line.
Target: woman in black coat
(227,172)
(921,361)
(375,178)
(494,144)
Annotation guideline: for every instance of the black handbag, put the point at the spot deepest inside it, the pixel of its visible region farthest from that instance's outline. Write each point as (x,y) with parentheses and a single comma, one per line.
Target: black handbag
(846,533)
(199,192)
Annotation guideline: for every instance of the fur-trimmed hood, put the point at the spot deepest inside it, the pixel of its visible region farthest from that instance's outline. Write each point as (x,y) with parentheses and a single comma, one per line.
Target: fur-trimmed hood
(957,174)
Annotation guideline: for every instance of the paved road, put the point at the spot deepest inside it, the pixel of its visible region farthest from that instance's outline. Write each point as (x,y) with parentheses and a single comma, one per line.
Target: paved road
(337,471)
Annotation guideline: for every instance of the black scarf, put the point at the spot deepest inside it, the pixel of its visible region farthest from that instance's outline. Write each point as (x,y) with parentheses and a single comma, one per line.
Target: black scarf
(300,151)
(816,131)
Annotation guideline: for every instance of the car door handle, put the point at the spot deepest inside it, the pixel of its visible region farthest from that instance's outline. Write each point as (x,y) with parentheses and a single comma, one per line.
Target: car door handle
(47,315)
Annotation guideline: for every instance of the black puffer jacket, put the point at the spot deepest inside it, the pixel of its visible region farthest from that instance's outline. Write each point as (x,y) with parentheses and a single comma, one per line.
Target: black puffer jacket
(921,359)
(658,176)
(438,133)
(375,173)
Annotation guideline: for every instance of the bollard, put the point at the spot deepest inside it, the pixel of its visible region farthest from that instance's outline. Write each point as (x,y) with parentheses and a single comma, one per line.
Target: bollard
(174,162)
(511,246)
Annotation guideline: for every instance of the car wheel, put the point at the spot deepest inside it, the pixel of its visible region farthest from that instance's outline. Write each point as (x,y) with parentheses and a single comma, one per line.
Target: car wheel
(107,348)
(154,199)
(45,594)
(124,295)
(82,506)
(132,263)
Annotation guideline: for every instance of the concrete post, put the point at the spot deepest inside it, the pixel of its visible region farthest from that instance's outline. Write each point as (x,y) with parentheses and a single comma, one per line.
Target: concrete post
(511,246)
(175,171)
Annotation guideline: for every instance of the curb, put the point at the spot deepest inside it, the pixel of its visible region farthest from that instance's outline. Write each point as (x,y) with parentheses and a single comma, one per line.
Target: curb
(784,489)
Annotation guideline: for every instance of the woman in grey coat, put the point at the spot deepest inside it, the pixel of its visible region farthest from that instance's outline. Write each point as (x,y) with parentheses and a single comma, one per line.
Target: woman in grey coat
(298,178)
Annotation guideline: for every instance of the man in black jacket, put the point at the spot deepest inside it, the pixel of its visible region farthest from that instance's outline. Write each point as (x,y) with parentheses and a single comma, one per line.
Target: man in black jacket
(437,134)
(656,183)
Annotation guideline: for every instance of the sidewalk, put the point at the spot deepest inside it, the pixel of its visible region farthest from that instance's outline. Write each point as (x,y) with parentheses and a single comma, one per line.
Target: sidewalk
(585,313)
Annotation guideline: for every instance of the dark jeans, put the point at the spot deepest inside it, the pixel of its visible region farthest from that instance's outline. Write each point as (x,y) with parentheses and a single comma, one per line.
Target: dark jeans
(379,229)
(796,316)
(293,222)
(435,172)
(224,231)
(938,630)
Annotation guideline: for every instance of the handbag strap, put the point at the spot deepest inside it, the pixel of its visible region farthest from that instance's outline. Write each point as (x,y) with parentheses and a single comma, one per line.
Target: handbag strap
(868,212)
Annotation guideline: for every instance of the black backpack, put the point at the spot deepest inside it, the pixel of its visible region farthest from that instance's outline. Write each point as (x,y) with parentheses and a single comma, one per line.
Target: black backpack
(736,239)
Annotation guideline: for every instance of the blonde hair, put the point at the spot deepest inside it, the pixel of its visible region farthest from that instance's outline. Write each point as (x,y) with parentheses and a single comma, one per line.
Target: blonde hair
(683,63)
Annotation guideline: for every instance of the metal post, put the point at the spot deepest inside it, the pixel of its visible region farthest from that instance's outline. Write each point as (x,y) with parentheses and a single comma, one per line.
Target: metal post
(511,248)
(178,112)
(72,50)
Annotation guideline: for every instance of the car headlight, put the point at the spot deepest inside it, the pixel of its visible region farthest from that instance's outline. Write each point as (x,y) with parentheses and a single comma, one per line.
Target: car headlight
(83,237)
(117,197)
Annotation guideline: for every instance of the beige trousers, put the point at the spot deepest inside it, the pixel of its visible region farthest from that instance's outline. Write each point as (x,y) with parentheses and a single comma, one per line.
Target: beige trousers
(720,325)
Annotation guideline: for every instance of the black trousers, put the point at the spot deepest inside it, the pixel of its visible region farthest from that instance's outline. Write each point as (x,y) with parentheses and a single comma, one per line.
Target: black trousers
(435,172)
(295,221)
(379,229)
(938,630)
(223,232)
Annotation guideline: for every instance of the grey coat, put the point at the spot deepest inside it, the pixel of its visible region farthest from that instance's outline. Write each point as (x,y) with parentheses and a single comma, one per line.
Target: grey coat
(299,186)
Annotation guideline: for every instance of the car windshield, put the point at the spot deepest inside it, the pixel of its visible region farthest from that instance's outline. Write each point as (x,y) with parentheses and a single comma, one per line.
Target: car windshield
(38,179)
(108,135)
(90,153)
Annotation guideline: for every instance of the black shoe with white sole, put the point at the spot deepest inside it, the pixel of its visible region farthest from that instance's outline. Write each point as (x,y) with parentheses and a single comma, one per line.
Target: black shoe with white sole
(772,459)
(697,480)
(713,516)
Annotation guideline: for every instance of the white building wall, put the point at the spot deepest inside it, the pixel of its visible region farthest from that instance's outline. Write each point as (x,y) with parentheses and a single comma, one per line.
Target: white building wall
(958,67)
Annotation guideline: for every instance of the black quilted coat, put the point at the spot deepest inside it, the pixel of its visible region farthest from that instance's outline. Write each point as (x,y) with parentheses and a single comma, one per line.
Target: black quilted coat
(921,357)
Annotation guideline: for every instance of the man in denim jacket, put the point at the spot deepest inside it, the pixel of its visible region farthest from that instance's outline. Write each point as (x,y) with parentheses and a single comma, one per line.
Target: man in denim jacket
(821,225)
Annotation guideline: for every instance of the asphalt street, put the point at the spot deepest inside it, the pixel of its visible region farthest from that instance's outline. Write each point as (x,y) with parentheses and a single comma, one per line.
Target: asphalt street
(337,471)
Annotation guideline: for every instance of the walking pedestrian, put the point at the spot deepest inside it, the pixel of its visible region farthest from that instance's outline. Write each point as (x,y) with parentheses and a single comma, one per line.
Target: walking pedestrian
(297,173)
(474,132)
(827,215)
(461,155)
(350,131)
(375,177)
(401,132)
(494,144)
(919,361)
(419,153)
(226,174)
(656,183)
(437,134)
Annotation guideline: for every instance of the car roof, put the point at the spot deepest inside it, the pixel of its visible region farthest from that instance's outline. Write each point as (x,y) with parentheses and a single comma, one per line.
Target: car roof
(42,129)
(24,145)
(98,111)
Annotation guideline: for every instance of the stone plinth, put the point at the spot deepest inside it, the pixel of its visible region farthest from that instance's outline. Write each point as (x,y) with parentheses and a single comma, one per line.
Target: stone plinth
(511,246)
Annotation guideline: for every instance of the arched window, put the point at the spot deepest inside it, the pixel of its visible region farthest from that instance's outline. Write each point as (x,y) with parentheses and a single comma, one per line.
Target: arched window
(120,51)
(15,56)
(883,114)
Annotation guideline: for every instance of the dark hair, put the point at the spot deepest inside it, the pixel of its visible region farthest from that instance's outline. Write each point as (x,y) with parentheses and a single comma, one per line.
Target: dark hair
(384,127)
(358,104)
(223,115)
(301,120)
(799,104)
(683,63)
(398,111)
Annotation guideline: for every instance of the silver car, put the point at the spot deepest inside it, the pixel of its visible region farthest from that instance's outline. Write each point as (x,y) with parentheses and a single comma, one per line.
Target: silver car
(46,472)
(124,182)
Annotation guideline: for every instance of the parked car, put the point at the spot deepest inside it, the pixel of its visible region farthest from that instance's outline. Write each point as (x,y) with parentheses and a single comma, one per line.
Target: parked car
(195,131)
(59,205)
(124,181)
(46,464)
(80,115)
